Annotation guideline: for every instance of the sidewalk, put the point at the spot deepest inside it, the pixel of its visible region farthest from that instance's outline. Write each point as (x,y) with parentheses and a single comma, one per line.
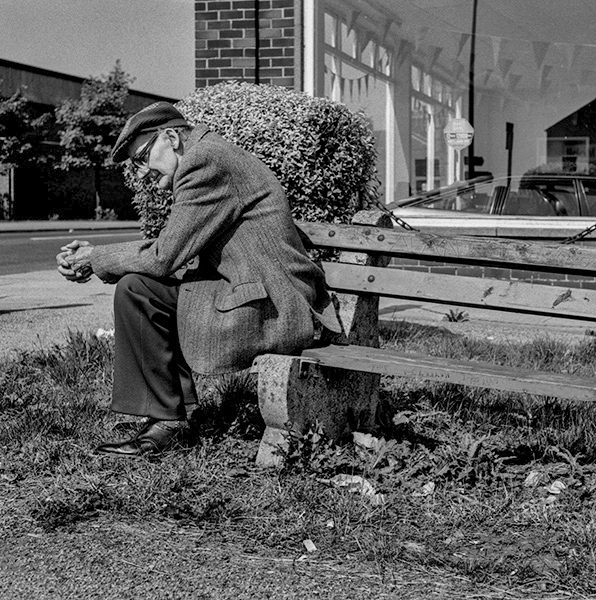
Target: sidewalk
(39,309)
(79,225)
(485,324)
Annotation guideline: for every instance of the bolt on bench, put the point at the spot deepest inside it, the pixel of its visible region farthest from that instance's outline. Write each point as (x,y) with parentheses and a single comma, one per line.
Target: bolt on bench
(337,384)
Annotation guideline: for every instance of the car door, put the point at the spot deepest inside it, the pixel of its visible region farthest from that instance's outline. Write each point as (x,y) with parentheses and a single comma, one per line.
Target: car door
(548,197)
(589,196)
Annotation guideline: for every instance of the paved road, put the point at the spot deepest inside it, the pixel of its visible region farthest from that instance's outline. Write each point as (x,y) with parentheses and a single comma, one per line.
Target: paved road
(26,252)
(38,307)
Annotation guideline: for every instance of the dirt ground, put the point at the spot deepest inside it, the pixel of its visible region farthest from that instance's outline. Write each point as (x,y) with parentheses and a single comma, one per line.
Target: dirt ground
(108,559)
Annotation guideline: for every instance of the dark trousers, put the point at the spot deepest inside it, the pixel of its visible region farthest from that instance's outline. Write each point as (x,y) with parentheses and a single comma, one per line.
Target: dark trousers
(151,377)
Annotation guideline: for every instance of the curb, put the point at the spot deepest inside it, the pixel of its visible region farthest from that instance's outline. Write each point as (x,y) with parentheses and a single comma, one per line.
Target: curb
(52,226)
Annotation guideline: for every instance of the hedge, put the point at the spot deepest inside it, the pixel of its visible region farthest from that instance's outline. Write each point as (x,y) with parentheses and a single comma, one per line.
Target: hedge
(323,153)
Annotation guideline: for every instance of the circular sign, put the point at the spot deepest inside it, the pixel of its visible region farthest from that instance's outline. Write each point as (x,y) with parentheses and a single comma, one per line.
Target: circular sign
(458,133)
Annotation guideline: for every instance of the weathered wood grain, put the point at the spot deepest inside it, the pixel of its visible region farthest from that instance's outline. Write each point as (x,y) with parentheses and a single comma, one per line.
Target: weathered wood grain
(471,373)
(471,292)
(469,250)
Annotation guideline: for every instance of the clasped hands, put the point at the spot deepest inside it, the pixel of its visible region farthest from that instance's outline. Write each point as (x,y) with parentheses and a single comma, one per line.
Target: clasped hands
(74,261)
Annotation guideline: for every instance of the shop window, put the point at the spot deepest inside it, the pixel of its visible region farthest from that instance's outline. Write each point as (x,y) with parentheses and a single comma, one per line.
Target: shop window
(357,73)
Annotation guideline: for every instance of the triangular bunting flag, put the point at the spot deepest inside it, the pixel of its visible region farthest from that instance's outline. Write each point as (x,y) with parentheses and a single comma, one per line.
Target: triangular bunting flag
(477,98)
(544,83)
(568,50)
(388,24)
(405,48)
(462,42)
(496,49)
(352,20)
(514,79)
(420,37)
(434,52)
(540,50)
(489,73)
(457,69)
(365,39)
(505,64)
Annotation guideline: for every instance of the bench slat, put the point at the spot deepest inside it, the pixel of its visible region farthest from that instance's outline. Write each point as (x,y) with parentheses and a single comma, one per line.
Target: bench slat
(469,250)
(470,292)
(474,374)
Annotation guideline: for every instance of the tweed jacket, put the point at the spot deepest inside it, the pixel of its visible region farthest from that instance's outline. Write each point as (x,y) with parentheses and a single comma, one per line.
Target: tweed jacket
(255,290)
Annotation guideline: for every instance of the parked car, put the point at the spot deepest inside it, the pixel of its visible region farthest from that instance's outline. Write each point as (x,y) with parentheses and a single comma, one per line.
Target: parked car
(529,195)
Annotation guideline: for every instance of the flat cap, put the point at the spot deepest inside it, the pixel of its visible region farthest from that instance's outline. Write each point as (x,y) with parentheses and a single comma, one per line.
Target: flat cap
(150,118)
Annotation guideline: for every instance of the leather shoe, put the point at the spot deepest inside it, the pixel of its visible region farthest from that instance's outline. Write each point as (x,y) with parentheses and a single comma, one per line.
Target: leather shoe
(153,438)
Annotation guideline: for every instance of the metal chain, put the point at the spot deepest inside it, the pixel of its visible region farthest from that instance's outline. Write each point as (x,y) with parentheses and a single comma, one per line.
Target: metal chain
(581,235)
(399,221)
(571,240)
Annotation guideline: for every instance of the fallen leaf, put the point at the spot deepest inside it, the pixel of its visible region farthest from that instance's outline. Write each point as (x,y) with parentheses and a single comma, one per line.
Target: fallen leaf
(378,500)
(556,487)
(414,547)
(354,483)
(427,490)
(533,478)
(458,535)
(357,484)
(366,440)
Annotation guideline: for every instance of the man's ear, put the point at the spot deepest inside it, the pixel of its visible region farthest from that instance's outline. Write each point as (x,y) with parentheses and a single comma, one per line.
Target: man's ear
(173,137)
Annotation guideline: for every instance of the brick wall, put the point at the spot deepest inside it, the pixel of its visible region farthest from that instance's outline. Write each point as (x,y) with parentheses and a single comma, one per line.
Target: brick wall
(230,46)
(541,278)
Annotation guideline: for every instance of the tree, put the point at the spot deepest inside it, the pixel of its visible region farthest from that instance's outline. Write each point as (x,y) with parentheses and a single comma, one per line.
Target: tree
(89,126)
(23,133)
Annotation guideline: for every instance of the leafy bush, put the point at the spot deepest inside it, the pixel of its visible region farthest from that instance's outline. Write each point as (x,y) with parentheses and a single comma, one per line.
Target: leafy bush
(323,153)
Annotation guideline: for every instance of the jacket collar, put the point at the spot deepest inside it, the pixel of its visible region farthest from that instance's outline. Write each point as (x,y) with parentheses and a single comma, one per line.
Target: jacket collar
(199,131)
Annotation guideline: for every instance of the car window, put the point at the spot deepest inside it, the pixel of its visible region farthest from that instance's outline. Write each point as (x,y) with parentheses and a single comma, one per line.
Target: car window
(542,199)
(590,191)
(475,200)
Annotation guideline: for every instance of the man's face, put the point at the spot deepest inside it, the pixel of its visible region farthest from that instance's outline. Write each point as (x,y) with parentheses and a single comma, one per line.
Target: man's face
(156,155)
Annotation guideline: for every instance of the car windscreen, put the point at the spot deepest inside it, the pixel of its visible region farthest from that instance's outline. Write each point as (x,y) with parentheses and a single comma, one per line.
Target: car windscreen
(541,198)
(475,199)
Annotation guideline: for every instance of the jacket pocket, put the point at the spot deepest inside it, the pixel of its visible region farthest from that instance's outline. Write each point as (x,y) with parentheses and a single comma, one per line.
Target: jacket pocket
(241,294)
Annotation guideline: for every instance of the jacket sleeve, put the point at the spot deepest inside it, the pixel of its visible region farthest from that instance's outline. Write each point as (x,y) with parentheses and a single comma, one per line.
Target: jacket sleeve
(206,205)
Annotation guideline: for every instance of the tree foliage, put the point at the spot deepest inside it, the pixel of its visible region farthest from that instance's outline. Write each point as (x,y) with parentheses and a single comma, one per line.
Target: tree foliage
(22,132)
(89,126)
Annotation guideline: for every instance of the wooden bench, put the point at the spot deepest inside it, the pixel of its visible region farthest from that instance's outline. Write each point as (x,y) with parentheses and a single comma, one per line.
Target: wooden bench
(337,384)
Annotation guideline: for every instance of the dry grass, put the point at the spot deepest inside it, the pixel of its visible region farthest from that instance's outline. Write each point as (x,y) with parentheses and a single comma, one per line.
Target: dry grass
(483,529)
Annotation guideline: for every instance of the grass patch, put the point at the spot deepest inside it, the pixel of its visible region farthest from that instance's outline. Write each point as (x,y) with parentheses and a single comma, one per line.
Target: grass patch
(494,489)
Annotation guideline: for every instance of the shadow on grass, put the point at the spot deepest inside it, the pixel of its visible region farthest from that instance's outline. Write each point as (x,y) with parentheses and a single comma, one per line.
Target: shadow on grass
(494,488)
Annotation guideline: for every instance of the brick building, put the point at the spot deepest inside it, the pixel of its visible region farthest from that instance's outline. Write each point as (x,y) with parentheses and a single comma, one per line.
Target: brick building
(413,66)
(247,40)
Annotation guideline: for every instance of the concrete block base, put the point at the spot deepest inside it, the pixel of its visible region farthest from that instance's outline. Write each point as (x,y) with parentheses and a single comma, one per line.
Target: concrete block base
(294,393)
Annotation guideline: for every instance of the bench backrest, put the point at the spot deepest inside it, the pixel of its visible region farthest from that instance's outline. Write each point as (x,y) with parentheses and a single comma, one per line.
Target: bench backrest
(370,243)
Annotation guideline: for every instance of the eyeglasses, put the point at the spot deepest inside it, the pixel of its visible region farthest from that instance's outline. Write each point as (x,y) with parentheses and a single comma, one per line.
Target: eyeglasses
(140,159)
